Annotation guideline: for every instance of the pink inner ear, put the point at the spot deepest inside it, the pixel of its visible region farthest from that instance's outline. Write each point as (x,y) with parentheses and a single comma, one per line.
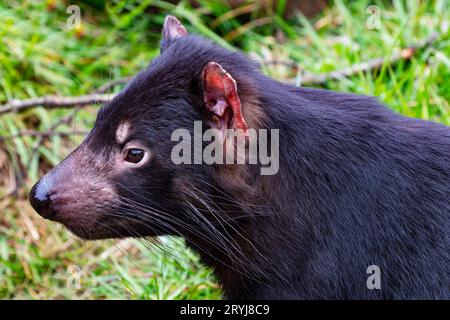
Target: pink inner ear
(173,28)
(220,92)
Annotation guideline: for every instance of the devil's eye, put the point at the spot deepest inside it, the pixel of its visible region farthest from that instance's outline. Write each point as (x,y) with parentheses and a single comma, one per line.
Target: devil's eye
(134,155)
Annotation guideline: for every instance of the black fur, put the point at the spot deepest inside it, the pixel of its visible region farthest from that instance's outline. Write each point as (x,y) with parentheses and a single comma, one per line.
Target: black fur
(358,184)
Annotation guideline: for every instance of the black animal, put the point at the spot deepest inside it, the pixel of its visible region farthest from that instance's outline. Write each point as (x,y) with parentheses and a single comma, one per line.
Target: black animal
(359,209)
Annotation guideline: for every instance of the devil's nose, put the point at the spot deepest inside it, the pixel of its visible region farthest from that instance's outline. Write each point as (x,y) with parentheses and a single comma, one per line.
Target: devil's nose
(40,199)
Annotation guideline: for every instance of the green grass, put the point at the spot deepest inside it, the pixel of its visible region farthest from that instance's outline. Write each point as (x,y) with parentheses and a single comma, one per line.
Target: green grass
(40,55)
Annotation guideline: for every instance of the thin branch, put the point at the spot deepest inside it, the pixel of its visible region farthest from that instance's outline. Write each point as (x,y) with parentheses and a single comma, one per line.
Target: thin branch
(373,64)
(54,102)
(43,134)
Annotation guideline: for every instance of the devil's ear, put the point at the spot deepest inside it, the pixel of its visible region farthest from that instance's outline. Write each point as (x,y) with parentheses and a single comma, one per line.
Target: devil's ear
(172,29)
(221,98)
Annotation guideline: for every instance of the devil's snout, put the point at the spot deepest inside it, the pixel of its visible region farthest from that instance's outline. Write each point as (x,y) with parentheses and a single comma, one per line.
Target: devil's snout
(40,197)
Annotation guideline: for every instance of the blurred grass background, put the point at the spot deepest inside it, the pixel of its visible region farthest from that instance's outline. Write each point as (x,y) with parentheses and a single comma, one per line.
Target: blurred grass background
(41,55)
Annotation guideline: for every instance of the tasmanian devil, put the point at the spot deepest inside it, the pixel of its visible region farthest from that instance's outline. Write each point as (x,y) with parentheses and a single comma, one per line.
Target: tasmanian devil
(359,207)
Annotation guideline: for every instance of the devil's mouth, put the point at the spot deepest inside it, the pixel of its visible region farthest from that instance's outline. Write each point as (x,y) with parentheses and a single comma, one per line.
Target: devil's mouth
(95,225)
(94,232)
(104,228)
(94,228)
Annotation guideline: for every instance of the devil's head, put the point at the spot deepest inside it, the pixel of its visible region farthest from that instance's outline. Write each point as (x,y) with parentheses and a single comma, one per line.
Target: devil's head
(121,181)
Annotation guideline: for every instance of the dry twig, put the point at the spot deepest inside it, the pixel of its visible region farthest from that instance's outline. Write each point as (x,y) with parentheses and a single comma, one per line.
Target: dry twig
(54,102)
(373,64)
